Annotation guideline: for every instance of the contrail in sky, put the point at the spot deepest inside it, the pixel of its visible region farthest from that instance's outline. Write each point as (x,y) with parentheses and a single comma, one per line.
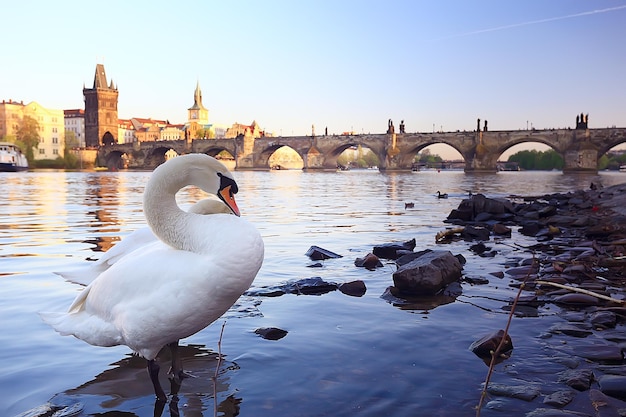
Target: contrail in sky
(533,22)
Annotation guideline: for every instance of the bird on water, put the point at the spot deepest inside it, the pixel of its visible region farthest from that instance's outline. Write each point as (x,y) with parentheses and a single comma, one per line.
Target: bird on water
(444,195)
(161,292)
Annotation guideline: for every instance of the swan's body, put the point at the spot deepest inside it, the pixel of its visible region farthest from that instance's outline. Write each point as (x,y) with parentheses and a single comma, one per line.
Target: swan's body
(174,287)
(440,195)
(138,239)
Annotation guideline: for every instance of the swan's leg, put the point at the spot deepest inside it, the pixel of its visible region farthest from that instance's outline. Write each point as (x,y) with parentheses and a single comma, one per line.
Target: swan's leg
(153,371)
(176,371)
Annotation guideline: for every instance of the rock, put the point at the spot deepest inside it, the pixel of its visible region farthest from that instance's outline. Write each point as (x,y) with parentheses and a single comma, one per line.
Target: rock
(501,230)
(475,233)
(353,288)
(560,398)
(460,215)
(480,209)
(483,217)
(522,392)
(530,228)
(479,248)
(606,406)
(570,330)
(600,353)
(577,299)
(603,319)
(476,280)
(307,286)
(482,204)
(523,271)
(317,254)
(428,274)
(613,385)
(370,261)
(551,412)
(271,333)
(579,379)
(390,250)
(415,302)
(547,211)
(484,346)
(410,257)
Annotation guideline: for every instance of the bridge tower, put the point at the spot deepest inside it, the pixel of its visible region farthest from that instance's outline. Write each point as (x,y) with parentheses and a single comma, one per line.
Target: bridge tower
(101,121)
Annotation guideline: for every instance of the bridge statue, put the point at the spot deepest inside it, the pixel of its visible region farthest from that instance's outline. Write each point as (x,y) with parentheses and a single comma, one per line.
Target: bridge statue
(390,128)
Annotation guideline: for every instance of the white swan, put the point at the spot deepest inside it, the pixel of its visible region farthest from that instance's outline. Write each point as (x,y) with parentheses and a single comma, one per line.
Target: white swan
(138,239)
(161,293)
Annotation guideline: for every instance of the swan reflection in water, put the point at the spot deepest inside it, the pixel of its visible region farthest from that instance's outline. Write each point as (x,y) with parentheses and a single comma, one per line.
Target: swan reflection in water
(122,390)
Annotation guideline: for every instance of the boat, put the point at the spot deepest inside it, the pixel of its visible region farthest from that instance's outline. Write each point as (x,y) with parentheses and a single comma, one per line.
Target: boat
(11,158)
(622,168)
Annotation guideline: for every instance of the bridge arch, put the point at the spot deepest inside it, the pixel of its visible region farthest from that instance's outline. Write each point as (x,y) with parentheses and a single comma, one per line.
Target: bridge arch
(116,160)
(332,154)
(407,158)
(263,158)
(214,147)
(544,139)
(612,141)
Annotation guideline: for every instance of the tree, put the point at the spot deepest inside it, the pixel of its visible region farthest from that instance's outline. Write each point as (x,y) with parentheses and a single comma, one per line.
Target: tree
(71,142)
(428,159)
(537,160)
(28,135)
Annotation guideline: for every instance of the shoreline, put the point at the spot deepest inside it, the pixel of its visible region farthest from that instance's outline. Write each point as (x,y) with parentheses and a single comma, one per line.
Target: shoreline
(579,267)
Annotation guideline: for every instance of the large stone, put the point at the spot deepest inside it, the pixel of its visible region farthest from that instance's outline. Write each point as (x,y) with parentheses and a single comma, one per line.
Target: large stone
(317,254)
(486,345)
(613,385)
(393,250)
(428,274)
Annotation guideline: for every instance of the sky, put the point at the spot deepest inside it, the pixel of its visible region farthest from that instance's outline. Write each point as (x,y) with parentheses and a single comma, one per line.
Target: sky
(344,65)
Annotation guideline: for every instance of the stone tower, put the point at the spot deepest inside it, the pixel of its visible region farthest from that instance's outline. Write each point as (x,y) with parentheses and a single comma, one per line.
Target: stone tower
(198,113)
(101,123)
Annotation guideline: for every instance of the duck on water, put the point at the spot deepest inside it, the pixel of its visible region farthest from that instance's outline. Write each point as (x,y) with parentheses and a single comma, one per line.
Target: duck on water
(155,294)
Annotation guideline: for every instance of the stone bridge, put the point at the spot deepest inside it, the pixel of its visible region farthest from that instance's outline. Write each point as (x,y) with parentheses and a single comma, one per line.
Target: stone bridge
(580,148)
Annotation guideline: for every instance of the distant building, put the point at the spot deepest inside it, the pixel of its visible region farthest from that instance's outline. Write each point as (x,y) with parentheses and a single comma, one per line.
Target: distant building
(51,126)
(173,132)
(75,122)
(252,130)
(126,131)
(101,122)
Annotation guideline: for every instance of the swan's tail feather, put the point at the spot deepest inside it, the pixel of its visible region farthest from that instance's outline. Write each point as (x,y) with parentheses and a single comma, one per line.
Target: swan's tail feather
(88,328)
(80,276)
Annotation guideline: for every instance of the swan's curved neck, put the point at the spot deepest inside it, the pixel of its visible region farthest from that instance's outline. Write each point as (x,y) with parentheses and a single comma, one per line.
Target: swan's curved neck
(162,213)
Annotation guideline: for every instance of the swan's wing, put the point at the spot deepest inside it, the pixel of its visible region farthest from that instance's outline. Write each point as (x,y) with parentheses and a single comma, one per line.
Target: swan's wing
(84,275)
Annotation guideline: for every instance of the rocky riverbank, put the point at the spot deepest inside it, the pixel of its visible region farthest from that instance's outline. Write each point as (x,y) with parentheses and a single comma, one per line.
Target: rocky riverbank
(578,265)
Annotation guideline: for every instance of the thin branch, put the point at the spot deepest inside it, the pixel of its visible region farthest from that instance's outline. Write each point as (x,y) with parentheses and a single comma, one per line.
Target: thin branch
(217,369)
(496,353)
(582,291)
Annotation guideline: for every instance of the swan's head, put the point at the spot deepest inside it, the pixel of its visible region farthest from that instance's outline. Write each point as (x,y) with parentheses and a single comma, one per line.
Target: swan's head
(227,190)
(201,170)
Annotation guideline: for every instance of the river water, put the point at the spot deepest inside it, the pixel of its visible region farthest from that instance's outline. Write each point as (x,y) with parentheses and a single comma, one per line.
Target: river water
(342,355)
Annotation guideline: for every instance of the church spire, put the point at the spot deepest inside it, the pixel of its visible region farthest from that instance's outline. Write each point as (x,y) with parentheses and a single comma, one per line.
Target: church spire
(197,99)
(100,79)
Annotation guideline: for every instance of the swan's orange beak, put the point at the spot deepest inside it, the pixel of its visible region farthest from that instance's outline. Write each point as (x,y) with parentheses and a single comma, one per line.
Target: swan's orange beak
(229,198)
